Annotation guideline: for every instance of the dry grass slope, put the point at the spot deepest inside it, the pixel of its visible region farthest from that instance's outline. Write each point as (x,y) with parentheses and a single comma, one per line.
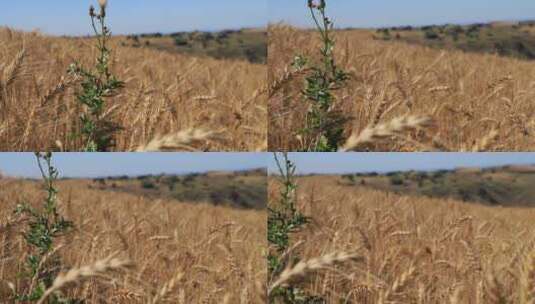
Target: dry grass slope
(165,94)
(476,102)
(410,249)
(182,253)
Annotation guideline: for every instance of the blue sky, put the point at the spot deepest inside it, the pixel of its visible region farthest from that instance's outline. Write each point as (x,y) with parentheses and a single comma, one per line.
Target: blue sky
(70,17)
(385,162)
(105,164)
(111,164)
(378,13)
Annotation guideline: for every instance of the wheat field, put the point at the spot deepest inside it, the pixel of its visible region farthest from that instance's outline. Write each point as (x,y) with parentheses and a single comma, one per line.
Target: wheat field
(368,246)
(180,252)
(170,101)
(469,102)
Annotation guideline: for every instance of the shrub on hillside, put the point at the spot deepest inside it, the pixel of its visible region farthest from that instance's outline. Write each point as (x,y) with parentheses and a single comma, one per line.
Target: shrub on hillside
(148,185)
(396,180)
(431,35)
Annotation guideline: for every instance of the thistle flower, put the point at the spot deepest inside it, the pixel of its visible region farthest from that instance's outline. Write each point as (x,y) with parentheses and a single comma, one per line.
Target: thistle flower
(103,3)
(321,5)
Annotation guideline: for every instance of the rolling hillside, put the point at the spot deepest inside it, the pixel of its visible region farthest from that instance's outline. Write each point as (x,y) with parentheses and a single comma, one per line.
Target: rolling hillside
(243,189)
(188,252)
(509,186)
(511,39)
(243,44)
(407,249)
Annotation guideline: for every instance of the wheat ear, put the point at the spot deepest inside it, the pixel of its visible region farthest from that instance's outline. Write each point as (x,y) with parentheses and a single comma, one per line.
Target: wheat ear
(395,126)
(178,141)
(13,70)
(530,279)
(305,267)
(77,274)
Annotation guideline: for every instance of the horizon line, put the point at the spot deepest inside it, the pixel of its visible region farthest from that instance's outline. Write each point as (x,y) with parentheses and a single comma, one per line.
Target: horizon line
(298,173)
(89,34)
(38,176)
(464,23)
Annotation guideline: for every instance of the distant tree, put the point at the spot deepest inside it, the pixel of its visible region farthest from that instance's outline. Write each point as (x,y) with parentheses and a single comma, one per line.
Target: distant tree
(421,183)
(173,179)
(190,178)
(101,181)
(431,35)
(207,36)
(222,36)
(350,177)
(500,48)
(521,48)
(217,198)
(146,184)
(437,175)
(473,32)
(396,180)
(181,41)
(454,31)
(421,176)
(256,53)
(235,196)
(386,34)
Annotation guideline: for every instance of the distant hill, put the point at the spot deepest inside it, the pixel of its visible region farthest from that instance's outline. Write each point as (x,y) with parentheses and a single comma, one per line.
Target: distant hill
(242,189)
(511,186)
(512,39)
(244,44)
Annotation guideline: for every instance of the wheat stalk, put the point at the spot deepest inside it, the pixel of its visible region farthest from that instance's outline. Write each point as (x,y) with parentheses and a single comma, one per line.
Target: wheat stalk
(42,263)
(287,76)
(167,288)
(59,88)
(529,283)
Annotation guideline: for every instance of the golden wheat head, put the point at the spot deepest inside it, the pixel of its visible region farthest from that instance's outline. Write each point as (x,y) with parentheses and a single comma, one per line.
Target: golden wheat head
(396,126)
